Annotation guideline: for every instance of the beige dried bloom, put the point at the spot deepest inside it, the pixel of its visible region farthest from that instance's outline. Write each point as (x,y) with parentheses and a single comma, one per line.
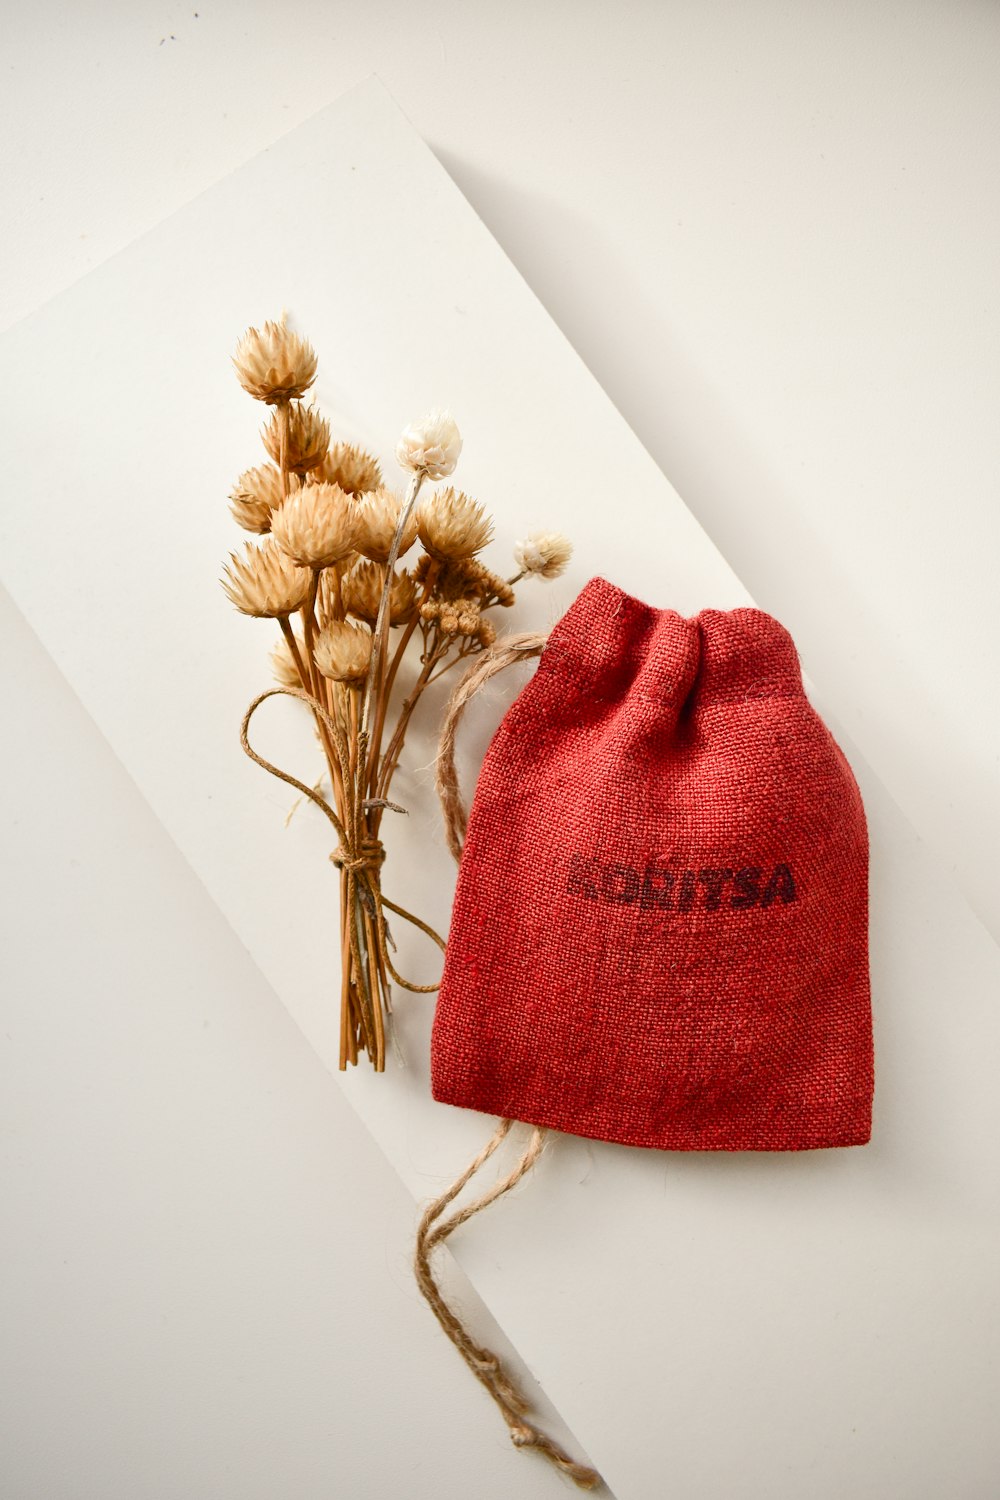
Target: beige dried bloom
(308,438)
(474,577)
(265,582)
(378,517)
(273,364)
(362,593)
(461,590)
(459,617)
(316,526)
(544,553)
(256,495)
(283,663)
(463,576)
(350,467)
(430,446)
(453,525)
(343,651)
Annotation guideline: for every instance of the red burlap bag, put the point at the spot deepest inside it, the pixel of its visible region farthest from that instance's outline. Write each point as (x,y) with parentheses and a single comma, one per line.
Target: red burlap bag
(660,928)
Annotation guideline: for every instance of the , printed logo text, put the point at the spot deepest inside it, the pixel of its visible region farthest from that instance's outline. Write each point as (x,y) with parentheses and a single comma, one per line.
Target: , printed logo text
(662,887)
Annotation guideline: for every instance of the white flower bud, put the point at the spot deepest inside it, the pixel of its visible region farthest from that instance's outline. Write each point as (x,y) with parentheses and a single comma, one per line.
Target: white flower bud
(431,445)
(544,553)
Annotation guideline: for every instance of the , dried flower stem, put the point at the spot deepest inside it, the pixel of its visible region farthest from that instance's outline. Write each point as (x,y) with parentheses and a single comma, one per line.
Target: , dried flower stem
(381,623)
(328,536)
(295,655)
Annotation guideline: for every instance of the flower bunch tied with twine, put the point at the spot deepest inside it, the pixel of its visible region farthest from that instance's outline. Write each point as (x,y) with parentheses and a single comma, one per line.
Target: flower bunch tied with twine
(324,564)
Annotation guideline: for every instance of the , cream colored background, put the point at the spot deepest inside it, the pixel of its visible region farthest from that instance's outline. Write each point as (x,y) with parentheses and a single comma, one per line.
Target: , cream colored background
(809,353)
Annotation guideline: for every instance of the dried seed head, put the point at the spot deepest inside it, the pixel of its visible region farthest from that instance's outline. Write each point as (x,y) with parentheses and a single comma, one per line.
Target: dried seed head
(316,526)
(308,438)
(488,584)
(283,663)
(452,525)
(454,616)
(460,590)
(431,446)
(378,516)
(350,467)
(343,651)
(265,581)
(256,495)
(544,553)
(273,364)
(466,575)
(459,617)
(363,587)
